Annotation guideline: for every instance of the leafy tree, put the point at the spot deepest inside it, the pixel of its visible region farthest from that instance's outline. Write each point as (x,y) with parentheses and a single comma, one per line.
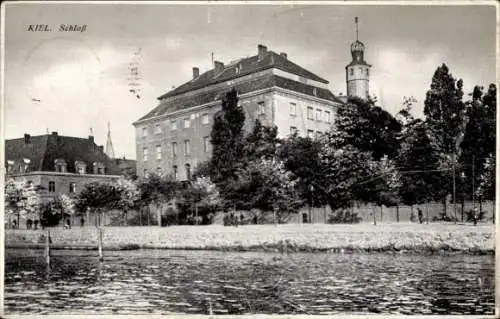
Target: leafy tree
(444,109)
(65,205)
(300,156)
(226,138)
(445,119)
(367,127)
(419,163)
(265,185)
(201,193)
(479,139)
(345,170)
(21,199)
(261,142)
(157,190)
(129,196)
(97,197)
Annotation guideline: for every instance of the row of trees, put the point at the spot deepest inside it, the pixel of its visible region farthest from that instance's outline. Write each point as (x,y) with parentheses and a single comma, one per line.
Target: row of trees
(123,196)
(369,156)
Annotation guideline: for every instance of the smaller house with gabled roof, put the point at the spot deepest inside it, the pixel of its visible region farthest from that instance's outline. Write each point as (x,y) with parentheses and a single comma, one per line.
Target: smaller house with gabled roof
(58,164)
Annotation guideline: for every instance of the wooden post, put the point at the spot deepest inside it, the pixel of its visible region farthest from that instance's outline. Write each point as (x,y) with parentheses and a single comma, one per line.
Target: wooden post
(381,213)
(99,244)
(427,211)
(47,249)
(397,213)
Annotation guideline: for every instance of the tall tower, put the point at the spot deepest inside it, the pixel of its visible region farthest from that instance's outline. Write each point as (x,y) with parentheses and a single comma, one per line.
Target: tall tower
(110,151)
(358,71)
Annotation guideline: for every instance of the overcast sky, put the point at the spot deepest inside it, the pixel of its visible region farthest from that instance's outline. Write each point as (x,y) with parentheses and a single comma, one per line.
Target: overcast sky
(81,78)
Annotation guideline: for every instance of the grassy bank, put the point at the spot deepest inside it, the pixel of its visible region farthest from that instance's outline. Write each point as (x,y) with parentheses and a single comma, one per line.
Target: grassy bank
(394,237)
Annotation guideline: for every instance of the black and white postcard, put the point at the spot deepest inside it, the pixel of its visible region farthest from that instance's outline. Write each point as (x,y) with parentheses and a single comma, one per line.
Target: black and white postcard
(242,159)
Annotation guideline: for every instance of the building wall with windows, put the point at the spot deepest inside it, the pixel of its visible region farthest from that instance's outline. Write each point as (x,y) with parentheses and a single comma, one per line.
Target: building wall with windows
(174,138)
(54,184)
(58,164)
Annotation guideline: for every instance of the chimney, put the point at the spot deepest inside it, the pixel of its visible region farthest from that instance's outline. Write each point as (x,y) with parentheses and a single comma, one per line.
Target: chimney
(91,138)
(283,54)
(262,49)
(196,72)
(27,139)
(218,67)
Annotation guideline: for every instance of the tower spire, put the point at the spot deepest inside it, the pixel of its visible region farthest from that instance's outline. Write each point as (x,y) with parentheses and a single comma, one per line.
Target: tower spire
(109,144)
(356,21)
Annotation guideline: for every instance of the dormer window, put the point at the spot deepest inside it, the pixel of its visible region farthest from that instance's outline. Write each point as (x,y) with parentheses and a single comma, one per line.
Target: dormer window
(24,166)
(60,165)
(80,167)
(98,168)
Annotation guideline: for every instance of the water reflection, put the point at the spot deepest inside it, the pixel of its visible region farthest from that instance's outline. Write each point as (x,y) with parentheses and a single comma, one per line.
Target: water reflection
(238,283)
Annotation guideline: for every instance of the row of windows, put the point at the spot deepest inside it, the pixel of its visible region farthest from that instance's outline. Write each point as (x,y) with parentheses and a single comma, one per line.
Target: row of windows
(310,133)
(52,187)
(173,125)
(321,116)
(187,149)
(351,71)
(175,171)
(60,166)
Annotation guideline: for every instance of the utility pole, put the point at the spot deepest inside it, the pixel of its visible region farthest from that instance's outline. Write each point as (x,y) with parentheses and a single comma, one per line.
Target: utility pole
(454,189)
(473,190)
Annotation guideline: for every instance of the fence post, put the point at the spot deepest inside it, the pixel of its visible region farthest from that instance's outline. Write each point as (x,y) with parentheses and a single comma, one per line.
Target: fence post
(99,244)
(47,248)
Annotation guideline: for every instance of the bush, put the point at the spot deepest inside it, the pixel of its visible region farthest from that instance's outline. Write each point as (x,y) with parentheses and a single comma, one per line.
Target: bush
(469,215)
(344,217)
(444,218)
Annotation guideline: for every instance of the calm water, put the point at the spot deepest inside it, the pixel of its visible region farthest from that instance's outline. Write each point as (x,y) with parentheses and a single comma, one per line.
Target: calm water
(239,283)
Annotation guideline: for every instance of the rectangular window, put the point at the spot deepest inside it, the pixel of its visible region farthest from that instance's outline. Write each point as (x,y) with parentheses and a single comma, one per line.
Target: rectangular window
(310,133)
(157,129)
(204,119)
(52,186)
(174,168)
(81,169)
(100,170)
(158,152)
(187,123)
(174,149)
(173,124)
(206,144)
(327,117)
(72,188)
(188,171)
(145,154)
(187,148)
(293,130)
(144,132)
(261,110)
(293,109)
(318,115)
(310,111)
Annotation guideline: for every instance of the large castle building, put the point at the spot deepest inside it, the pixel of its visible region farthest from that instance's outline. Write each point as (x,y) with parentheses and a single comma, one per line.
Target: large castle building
(175,136)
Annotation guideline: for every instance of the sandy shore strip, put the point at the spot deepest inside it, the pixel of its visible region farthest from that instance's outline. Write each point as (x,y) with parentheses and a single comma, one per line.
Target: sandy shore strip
(365,237)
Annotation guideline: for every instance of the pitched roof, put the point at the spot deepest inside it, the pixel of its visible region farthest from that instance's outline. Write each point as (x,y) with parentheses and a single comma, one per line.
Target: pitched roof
(245,66)
(260,83)
(43,150)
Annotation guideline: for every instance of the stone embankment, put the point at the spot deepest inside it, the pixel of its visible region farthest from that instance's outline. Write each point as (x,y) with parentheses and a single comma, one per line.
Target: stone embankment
(393,237)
